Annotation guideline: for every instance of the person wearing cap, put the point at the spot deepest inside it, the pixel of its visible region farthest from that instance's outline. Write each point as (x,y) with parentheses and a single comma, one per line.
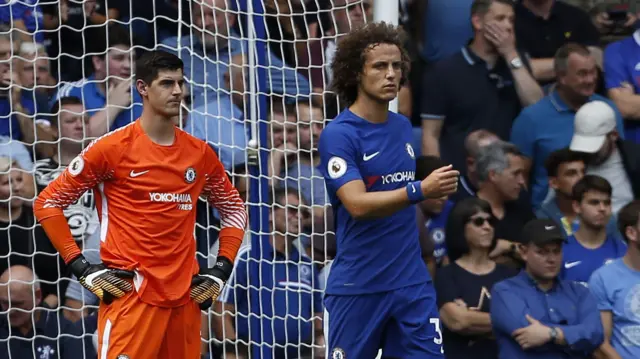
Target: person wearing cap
(616,288)
(608,156)
(536,314)
(548,125)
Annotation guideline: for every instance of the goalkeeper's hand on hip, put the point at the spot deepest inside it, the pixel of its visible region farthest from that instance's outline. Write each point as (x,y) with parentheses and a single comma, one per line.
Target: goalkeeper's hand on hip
(208,283)
(106,283)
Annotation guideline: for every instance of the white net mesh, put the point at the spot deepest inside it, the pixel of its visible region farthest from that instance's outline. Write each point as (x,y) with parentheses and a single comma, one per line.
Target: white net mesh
(66,78)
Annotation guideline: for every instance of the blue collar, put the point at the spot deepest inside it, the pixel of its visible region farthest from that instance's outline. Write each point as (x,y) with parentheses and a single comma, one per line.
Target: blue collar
(560,105)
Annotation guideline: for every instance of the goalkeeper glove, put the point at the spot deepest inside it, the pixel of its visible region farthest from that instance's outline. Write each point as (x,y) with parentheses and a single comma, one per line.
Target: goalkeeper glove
(107,284)
(208,283)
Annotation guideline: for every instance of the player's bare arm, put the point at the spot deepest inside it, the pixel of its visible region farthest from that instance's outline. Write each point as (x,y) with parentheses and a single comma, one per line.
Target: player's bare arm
(369,205)
(606,351)
(431,129)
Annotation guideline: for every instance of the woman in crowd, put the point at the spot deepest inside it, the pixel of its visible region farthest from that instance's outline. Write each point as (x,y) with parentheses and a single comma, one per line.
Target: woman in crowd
(463,286)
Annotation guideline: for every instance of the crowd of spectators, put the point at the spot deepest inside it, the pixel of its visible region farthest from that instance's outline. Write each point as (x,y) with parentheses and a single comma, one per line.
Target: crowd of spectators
(535,102)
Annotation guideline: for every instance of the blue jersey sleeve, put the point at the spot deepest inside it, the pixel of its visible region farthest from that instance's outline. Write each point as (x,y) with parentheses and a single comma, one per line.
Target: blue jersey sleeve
(614,74)
(338,157)
(599,290)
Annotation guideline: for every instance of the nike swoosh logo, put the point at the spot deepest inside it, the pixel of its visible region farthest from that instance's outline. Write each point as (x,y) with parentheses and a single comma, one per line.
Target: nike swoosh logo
(136,174)
(571,264)
(413,188)
(548,228)
(367,158)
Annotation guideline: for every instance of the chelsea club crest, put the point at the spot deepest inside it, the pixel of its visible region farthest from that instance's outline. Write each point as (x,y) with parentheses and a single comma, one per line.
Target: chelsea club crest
(410,151)
(338,353)
(190,175)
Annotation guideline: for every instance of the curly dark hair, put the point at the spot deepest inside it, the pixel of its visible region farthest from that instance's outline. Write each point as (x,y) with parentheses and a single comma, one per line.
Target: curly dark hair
(350,57)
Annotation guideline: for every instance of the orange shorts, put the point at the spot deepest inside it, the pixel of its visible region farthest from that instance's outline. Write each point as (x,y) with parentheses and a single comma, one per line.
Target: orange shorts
(130,328)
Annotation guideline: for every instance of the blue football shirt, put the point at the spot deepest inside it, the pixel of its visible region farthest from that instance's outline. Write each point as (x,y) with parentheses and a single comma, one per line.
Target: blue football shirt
(622,64)
(94,100)
(380,254)
(616,288)
(436,231)
(29,12)
(580,262)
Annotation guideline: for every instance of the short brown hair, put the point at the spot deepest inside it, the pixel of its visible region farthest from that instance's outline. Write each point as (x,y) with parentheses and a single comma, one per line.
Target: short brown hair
(628,217)
(481,7)
(590,183)
(561,58)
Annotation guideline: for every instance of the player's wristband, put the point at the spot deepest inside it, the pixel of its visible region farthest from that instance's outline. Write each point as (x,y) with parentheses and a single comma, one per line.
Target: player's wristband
(414,192)
(78,266)
(223,267)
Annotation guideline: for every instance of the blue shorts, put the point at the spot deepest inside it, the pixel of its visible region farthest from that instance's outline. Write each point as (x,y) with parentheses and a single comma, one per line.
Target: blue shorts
(404,323)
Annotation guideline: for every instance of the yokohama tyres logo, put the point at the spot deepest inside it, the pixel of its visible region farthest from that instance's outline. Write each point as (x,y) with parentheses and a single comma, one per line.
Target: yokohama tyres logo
(399,177)
(170,197)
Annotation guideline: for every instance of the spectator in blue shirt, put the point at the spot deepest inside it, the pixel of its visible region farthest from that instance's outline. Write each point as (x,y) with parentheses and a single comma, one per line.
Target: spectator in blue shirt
(616,287)
(221,124)
(19,107)
(24,15)
(209,51)
(446,28)
(302,173)
(564,169)
(30,328)
(432,215)
(277,301)
(590,247)
(108,94)
(622,81)
(537,315)
(548,125)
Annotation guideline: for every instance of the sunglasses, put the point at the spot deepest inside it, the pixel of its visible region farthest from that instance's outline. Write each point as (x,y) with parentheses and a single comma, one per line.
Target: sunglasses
(480,221)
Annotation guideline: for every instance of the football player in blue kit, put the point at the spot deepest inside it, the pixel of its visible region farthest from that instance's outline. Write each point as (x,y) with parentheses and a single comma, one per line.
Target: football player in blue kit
(379,293)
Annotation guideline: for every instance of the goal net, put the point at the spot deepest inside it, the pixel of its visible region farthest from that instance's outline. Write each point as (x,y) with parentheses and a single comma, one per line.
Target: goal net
(256,90)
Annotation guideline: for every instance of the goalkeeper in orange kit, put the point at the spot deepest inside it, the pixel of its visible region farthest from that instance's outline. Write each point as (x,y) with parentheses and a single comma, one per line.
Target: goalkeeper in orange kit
(147,177)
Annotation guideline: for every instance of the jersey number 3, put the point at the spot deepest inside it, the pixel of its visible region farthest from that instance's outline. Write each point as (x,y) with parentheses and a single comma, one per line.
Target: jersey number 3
(438,338)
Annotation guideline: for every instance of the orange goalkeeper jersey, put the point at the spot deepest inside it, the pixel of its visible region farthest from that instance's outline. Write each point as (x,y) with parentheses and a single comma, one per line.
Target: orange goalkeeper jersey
(146,197)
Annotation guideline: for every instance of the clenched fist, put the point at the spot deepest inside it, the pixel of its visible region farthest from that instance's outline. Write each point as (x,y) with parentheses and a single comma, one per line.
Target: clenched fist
(441,182)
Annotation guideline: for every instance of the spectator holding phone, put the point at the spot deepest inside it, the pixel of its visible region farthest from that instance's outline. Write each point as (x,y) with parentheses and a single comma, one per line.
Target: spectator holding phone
(612,18)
